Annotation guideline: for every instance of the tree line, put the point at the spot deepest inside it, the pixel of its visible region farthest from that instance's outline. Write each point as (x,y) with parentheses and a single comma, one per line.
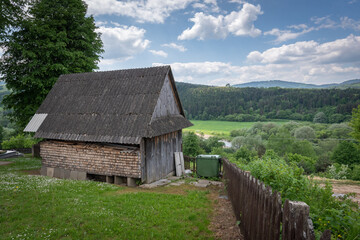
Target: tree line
(260,104)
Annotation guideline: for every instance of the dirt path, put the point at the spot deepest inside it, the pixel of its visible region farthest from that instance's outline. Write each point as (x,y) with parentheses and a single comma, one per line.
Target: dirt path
(205,136)
(223,220)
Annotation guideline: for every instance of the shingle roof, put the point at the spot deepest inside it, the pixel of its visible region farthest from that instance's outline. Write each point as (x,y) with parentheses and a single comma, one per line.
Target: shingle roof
(114,106)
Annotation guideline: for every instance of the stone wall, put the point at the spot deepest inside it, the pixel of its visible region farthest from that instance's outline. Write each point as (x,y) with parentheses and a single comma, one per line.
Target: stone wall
(91,158)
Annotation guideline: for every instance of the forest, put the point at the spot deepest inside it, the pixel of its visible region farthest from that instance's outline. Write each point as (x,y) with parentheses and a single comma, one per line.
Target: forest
(261,104)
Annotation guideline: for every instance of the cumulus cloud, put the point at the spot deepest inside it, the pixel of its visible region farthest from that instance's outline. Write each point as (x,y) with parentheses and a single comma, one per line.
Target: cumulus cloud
(338,51)
(155,11)
(238,23)
(159,53)
(308,62)
(122,42)
(175,46)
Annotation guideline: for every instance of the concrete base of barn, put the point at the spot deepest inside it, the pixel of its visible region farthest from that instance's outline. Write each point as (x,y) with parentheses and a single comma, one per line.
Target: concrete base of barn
(80,175)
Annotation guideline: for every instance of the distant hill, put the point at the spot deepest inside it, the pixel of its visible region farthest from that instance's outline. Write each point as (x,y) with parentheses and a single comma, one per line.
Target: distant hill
(355,83)
(250,104)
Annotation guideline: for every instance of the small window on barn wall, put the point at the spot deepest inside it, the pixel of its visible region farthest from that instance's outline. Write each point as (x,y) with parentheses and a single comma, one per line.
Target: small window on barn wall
(35,122)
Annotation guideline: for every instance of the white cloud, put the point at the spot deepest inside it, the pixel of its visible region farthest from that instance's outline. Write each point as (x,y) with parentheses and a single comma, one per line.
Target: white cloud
(175,46)
(155,11)
(324,22)
(285,35)
(350,23)
(338,51)
(240,23)
(159,53)
(122,42)
(308,62)
(207,5)
(301,29)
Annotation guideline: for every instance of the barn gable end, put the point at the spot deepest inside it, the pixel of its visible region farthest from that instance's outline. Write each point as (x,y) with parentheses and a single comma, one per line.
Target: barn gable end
(166,104)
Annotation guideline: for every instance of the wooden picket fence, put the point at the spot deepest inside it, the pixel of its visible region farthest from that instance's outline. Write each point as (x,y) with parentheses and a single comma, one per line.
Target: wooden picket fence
(260,211)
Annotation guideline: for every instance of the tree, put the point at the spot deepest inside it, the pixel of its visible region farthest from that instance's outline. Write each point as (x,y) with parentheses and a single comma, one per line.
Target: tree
(57,38)
(355,123)
(191,145)
(346,153)
(304,132)
(11,11)
(320,117)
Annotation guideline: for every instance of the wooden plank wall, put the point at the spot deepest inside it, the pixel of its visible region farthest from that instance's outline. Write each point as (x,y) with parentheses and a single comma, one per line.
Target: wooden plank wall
(166,104)
(159,155)
(260,211)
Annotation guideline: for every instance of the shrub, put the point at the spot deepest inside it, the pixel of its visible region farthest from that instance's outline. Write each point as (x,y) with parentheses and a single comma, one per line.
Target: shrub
(320,117)
(326,212)
(337,171)
(346,153)
(341,130)
(245,154)
(210,143)
(238,132)
(323,163)
(355,173)
(306,163)
(191,145)
(19,141)
(304,132)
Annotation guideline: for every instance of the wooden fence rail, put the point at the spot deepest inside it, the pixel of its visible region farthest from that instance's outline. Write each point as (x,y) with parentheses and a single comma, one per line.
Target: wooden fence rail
(260,211)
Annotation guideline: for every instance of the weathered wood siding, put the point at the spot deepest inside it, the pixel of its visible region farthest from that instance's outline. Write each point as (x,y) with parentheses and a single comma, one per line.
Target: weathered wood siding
(166,104)
(92,158)
(159,154)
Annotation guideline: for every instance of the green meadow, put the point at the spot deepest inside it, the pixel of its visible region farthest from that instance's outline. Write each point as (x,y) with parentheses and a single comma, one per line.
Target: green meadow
(38,207)
(222,127)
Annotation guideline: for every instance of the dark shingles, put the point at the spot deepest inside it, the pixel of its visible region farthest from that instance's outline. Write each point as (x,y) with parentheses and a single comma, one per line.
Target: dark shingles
(114,106)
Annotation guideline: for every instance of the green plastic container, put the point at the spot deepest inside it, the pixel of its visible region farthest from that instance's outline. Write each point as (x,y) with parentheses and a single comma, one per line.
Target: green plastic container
(208,165)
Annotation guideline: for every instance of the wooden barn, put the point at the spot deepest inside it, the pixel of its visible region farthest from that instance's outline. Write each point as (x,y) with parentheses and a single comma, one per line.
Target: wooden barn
(122,126)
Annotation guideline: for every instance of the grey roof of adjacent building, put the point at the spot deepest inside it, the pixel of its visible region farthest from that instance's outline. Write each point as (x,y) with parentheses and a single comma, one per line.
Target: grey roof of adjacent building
(113,106)
(35,122)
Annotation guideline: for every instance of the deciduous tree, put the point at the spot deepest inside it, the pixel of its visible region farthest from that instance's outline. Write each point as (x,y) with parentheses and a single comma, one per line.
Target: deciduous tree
(56,38)
(355,123)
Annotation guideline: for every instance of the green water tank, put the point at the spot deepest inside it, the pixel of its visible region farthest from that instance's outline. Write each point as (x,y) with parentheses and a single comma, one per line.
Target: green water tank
(208,165)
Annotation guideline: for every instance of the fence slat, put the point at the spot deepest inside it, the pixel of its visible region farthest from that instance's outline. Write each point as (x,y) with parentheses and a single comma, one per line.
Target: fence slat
(260,211)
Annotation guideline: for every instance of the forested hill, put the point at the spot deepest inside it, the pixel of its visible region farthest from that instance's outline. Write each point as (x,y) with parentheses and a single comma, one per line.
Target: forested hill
(258,104)
(355,83)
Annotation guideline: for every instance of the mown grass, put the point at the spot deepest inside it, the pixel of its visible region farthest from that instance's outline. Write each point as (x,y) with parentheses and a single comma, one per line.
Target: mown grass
(222,127)
(37,207)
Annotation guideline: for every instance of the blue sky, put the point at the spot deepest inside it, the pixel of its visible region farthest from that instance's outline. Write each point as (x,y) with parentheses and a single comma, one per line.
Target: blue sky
(216,42)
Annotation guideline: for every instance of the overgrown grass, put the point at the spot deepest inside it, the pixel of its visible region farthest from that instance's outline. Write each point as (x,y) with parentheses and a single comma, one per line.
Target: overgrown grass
(37,207)
(222,127)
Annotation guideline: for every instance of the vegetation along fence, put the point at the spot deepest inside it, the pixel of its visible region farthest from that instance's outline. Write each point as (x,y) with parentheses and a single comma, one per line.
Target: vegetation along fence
(190,163)
(260,211)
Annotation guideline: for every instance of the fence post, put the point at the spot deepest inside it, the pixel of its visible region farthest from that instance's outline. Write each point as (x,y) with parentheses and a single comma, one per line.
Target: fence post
(296,222)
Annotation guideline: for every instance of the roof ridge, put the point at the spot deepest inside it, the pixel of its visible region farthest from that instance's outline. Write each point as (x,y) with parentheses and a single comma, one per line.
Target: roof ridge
(119,70)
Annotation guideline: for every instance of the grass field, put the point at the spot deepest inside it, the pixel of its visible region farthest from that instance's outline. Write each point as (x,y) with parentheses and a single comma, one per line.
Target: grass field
(222,127)
(38,207)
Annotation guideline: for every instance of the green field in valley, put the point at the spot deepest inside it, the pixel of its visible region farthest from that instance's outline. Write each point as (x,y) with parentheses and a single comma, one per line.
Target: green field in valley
(222,127)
